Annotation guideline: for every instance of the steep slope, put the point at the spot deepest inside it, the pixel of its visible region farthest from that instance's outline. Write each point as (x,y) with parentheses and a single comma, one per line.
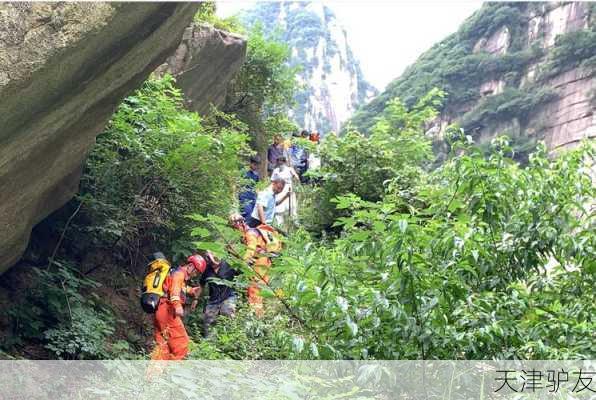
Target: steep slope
(333,83)
(526,69)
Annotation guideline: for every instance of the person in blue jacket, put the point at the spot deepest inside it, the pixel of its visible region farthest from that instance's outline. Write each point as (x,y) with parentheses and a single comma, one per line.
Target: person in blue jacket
(248,194)
(299,155)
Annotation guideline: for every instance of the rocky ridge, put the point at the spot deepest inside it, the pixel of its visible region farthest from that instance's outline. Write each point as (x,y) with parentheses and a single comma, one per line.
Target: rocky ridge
(524,69)
(204,63)
(333,84)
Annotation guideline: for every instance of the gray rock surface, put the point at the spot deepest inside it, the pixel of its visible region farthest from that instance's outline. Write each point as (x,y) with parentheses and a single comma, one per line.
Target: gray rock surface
(570,119)
(64,67)
(497,43)
(562,123)
(204,63)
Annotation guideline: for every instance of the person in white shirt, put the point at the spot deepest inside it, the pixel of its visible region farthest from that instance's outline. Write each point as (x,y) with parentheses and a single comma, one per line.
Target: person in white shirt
(287,208)
(267,200)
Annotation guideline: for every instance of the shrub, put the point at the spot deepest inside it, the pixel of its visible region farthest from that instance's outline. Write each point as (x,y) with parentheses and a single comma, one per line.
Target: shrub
(156,163)
(360,165)
(84,336)
(460,271)
(570,50)
(243,337)
(511,103)
(452,66)
(62,313)
(207,14)
(263,88)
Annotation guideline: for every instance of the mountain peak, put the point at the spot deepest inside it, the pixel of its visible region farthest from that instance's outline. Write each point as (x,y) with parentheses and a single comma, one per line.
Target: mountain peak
(333,83)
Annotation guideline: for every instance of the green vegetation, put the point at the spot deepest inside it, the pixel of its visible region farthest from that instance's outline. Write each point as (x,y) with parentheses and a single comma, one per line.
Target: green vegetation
(206,14)
(453,66)
(155,164)
(245,337)
(572,50)
(263,90)
(364,166)
(478,259)
(511,103)
(456,67)
(452,263)
(63,312)
(458,271)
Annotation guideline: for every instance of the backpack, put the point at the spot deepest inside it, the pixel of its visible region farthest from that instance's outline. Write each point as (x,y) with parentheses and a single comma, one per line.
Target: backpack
(153,289)
(272,239)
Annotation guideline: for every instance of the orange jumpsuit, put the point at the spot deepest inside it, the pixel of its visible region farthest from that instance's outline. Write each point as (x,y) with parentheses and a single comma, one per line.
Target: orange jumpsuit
(170,335)
(256,245)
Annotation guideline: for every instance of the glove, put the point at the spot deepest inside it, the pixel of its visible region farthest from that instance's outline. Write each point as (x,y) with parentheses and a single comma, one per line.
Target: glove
(179,311)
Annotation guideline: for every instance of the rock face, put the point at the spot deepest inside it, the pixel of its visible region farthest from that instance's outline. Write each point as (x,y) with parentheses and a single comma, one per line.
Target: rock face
(333,83)
(64,67)
(204,63)
(569,119)
(525,69)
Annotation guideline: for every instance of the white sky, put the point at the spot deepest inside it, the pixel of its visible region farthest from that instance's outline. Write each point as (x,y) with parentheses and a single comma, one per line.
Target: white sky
(387,36)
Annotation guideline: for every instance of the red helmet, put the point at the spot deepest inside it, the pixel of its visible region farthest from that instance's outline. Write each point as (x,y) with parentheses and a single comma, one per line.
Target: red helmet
(199,263)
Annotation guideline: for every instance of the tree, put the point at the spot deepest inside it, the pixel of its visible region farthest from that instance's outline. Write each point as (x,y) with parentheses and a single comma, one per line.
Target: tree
(263,90)
(395,153)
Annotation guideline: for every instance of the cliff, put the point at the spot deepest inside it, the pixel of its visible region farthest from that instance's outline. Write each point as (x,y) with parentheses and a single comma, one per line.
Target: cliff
(204,63)
(525,69)
(333,85)
(64,68)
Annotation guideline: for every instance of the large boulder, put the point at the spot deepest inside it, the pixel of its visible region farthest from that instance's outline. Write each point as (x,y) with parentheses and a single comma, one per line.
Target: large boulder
(204,63)
(64,68)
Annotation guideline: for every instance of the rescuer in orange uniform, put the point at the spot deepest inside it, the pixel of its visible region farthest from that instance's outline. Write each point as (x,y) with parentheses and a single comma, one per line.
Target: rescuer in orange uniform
(170,335)
(256,257)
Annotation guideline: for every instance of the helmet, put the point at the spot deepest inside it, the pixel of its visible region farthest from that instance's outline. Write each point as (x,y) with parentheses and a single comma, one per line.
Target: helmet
(199,262)
(235,218)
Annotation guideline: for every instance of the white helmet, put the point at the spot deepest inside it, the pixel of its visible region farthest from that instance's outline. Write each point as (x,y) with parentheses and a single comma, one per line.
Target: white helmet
(235,218)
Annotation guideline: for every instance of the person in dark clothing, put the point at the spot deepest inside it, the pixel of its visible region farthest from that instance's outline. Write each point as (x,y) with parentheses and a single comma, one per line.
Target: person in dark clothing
(299,155)
(277,149)
(222,298)
(248,196)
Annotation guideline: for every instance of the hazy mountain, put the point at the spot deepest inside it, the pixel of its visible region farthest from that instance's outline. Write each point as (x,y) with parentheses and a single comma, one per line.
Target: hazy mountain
(333,83)
(525,69)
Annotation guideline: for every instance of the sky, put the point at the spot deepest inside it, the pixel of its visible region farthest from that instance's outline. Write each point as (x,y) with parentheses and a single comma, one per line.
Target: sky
(387,36)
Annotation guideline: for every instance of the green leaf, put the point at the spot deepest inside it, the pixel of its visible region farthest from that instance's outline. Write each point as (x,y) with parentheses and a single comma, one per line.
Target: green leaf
(200,232)
(217,248)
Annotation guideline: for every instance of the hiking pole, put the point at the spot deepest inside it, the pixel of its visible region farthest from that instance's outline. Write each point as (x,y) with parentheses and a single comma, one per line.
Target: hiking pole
(283,233)
(289,207)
